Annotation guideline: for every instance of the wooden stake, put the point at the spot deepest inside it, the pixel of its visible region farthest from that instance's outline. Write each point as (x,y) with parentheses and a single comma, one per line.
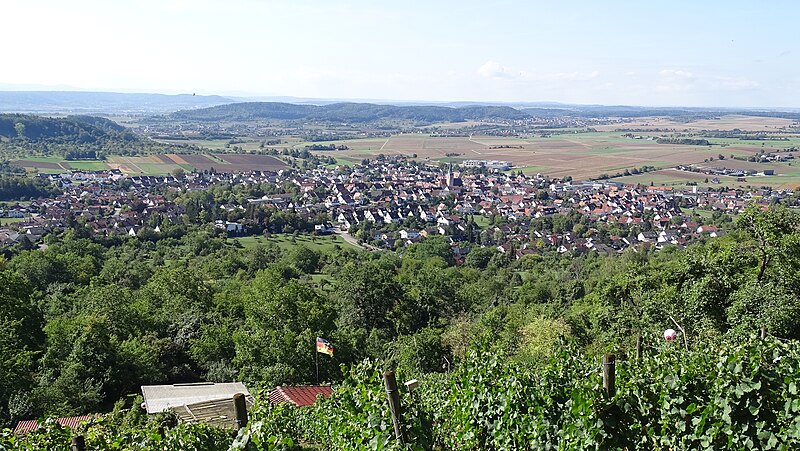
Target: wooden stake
(78,443)
(639,347)
(683,332)
(240,409)
(763,333)
(394,403)
(609,374)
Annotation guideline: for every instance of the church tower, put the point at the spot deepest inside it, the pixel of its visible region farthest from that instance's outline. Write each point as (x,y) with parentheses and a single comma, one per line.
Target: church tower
(450,174)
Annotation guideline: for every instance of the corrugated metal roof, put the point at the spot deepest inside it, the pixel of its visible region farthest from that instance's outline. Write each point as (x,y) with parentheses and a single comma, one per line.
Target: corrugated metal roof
(219,412)
(70,422)
(158,398)
(300,396)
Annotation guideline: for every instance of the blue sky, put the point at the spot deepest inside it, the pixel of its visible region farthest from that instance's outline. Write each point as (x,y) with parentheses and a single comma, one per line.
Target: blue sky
(698,53)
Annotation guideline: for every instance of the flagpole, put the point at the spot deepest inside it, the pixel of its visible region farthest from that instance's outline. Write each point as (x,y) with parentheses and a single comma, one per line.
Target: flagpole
(316,360)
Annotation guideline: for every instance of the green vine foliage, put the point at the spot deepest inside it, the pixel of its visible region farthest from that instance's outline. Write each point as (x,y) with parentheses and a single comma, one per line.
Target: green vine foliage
(719,397)
(107,434)
(723,396)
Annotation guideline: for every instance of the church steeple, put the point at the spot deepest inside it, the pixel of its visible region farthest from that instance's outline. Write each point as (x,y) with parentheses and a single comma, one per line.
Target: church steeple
(450,174)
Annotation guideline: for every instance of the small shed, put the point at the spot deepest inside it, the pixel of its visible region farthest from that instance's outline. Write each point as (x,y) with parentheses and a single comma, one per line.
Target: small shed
(26,426)
(158,398)
(300,396)
(203,402)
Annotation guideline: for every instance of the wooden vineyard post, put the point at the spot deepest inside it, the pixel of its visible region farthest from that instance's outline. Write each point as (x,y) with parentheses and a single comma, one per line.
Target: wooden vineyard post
(609,374)
(240,408)
(78,443)
(394,403)
(639,348)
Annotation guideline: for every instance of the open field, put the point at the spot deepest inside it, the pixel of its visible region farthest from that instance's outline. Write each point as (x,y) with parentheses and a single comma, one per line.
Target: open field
(728,122)
(232,162)
(285,241)
(580,155)
(158,164)
(32,163)
(215,144)
(86,165)
(672,177)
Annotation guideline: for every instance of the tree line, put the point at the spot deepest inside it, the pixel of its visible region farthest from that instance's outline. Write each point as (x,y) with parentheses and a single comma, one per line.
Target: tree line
(25,188)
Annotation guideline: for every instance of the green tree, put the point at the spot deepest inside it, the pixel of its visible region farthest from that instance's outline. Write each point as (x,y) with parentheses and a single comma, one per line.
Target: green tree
(304,259)
(436,246)
(19,127)
(367,291)
(21,338)
(479,257)
(772,231)
(276,343)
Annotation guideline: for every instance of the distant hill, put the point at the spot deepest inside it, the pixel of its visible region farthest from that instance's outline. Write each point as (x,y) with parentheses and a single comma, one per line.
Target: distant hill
(210,108)
(72,137)
(600,111)
(102,102)
(348,112)
(75,129)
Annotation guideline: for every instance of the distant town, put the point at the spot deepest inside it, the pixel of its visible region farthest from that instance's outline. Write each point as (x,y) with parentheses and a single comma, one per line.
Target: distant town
(394,202)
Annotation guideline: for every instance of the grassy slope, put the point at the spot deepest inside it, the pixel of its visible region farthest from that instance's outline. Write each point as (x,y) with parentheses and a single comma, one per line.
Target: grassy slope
(4,221)
(284,241)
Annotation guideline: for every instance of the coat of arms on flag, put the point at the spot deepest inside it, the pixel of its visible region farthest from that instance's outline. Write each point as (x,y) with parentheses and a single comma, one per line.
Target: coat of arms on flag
(324,346)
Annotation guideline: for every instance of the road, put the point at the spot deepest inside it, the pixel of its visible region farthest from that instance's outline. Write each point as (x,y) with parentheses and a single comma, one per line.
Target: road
(352,240)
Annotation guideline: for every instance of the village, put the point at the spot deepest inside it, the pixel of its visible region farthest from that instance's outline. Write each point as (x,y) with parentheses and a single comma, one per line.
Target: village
(394,202)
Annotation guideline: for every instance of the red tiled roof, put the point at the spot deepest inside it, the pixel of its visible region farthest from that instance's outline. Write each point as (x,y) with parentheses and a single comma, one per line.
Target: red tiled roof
(300,396)
(70,422)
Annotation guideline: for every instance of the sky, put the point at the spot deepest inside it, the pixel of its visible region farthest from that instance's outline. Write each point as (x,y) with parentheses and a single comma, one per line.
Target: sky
(665,53)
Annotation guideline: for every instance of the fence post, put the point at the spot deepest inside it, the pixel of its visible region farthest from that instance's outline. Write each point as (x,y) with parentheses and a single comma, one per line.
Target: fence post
(240,408)
(394,403)
(609,374)
(78,443)
(639,347)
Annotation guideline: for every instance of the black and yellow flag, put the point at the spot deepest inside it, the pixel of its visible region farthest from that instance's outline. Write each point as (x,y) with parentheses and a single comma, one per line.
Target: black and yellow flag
(324,346)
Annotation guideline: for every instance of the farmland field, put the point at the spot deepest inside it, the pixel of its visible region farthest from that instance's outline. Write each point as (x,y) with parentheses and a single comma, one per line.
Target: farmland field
(86,165)
(586,155)
(158,164)
(41,166)
(729,122)
(580,155)
(233,162)
(789,178)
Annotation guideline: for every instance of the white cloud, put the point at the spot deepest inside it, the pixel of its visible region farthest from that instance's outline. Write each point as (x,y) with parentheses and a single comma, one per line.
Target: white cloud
(572,76)
(674,80)
(683,81)
(676,74)
(737,83)
(493,69)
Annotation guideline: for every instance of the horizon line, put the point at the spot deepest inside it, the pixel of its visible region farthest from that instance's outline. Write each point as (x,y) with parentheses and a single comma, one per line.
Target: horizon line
(5,88)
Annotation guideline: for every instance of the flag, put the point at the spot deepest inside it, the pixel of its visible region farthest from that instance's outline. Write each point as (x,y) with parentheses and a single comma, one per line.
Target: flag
(324,346)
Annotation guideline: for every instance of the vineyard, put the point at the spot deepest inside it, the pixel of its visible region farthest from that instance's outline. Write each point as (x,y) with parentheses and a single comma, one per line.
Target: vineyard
(724,396)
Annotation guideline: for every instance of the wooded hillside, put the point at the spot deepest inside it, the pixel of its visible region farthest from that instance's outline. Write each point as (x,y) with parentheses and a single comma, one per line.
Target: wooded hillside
(347,112)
